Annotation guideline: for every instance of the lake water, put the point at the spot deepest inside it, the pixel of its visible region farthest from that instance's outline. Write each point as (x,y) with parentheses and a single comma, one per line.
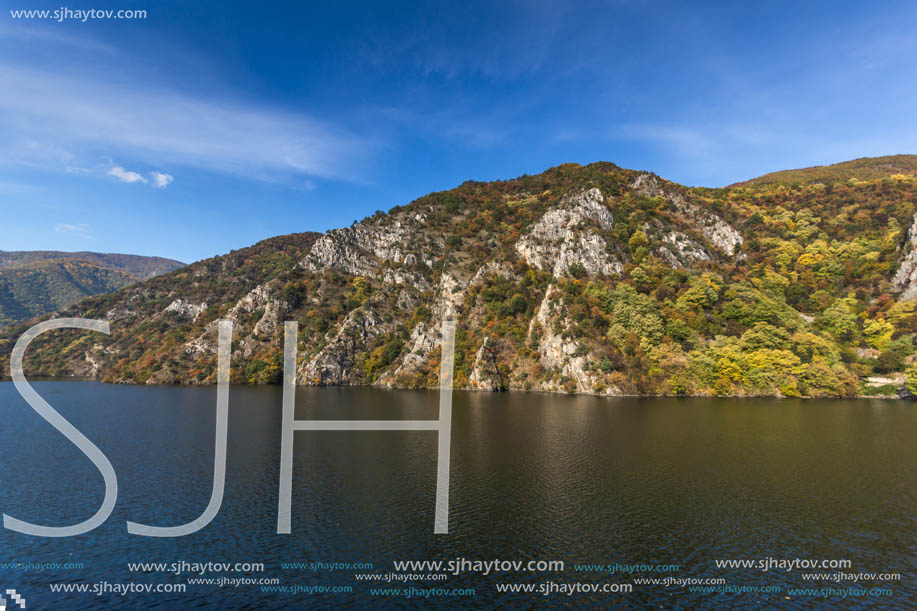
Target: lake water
(585,480)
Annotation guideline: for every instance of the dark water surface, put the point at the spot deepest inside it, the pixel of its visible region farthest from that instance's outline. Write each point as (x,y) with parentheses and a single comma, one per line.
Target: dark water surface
(585,480)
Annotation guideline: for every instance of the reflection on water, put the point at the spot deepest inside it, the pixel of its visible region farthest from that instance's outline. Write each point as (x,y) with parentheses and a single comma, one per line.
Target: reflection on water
(579,479)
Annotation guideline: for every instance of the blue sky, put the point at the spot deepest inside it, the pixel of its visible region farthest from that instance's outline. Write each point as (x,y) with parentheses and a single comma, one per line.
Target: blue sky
(206,127)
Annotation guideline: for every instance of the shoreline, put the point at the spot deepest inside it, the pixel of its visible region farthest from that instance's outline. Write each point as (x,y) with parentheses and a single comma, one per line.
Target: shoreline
(476,390)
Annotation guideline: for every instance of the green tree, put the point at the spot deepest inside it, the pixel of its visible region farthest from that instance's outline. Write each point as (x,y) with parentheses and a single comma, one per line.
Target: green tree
(840,320)
(764,335)
(911,381)
(638,240)
(878,333)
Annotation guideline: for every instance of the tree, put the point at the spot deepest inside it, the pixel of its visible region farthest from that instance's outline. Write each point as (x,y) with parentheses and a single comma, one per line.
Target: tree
(636,313)
(911,381)
(840,320)
(878,333)
(637,240)
(640,278)
(764,335)
(888,362)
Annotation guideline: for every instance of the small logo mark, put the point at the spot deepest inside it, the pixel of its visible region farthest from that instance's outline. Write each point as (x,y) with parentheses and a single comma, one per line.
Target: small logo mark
(19,600)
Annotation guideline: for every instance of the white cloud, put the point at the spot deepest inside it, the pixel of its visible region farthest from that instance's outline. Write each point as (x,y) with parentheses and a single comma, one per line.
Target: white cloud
(53,36)
(81,230)
(161,180)
(125,175)
(94,118)
(680,139)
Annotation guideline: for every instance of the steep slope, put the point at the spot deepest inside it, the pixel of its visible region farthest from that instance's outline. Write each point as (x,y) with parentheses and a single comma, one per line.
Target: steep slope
(591,279)
(136,266)
(38,282)
(864,168)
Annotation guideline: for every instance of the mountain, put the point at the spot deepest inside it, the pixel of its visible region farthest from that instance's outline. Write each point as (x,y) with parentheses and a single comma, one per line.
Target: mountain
(865,168)
(586,279)
(38,282)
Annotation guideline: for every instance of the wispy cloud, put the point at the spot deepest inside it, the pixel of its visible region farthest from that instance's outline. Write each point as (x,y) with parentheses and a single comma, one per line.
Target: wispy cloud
(125,175)
(90,118)
(161,180)
(682,140)
(53,36)
(82,230)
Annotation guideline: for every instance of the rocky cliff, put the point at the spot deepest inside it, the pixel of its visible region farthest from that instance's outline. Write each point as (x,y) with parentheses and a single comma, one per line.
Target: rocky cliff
(588,279)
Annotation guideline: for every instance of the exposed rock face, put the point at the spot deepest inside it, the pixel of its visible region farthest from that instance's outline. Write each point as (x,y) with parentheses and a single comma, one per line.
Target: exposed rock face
(905,279)
(341,249)
(492,268)
(259,298)
(451,296)
(720,233)
(124,310)
(370,299)
(361,248)
(424,339)
(270,322)
(679,250)
(116,314)
(570,235)
(186,309)
(406,278)
(895,378)
(94,365)
(557,353)
(335,363)
(485,373)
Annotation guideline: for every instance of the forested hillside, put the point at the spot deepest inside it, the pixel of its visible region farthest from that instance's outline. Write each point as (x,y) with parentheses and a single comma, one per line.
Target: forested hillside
(38,282)
(590,279)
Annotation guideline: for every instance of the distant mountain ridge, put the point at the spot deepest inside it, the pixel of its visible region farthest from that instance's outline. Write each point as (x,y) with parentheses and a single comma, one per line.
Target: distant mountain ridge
(864,168)
(581,279)
(138,266)
(37,282)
